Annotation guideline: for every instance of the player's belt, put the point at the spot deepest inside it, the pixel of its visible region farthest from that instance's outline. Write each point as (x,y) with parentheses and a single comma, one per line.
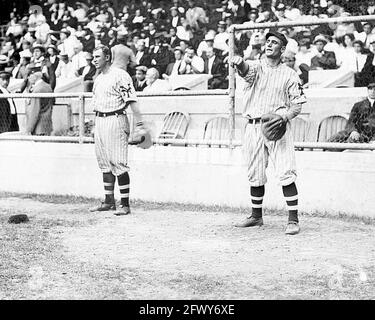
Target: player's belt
(112,113)
(254,120)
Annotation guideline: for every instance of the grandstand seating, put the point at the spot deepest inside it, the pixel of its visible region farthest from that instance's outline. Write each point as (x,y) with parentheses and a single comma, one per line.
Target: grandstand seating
(216,128)
(175,125)
(329,126)
(300,129)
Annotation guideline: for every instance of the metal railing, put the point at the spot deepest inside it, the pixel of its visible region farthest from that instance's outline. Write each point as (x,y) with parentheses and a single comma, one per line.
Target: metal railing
(230,143)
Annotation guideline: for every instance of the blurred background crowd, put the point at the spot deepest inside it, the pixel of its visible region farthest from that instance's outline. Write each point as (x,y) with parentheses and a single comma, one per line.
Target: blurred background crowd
(179,37)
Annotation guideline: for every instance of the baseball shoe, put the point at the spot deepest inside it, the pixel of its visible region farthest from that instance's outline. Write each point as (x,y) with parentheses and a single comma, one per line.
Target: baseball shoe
(292,228)
(250,222)
(123,210)
(104,207)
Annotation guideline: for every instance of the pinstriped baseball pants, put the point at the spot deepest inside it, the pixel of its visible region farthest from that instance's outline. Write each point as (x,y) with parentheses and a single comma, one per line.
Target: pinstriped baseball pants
(257,150)
(111,143)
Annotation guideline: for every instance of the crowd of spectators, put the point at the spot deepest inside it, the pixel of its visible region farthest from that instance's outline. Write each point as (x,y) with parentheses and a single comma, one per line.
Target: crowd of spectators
(178,37)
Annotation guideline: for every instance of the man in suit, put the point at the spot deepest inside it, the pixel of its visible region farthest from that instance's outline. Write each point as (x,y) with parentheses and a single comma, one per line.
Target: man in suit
(173,41)
(139,79)
(38,110)
(142,58)
(214,66)
(361,124)
(8,111)
(174,19)
(172,68)
(323,60)
(160,55)
(88,72)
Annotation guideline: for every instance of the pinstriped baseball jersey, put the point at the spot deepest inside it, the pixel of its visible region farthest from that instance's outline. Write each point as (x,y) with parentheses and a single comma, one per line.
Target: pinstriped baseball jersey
(112,90)
(269,88)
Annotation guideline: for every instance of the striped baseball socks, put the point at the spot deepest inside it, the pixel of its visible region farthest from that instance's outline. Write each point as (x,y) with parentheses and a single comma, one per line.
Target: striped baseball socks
(123,184)
(109,186)
(256,194)
(291,196)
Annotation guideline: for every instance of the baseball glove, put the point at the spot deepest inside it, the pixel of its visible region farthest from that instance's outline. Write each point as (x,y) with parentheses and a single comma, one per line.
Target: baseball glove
(141,137)
(273,126)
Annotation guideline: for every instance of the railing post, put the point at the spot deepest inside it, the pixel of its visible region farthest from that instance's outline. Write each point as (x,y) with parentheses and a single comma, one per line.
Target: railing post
(81,118)
(232,88)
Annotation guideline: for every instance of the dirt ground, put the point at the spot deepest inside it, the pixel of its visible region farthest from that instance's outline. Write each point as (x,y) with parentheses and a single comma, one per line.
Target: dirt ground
(178,252)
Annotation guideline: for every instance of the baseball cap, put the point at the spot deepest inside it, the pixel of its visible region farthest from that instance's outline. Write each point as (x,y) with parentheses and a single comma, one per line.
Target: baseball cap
(279,36)
(371,85)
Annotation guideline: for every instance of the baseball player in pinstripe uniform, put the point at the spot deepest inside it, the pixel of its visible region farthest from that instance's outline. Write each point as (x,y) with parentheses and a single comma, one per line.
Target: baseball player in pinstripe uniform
(113,92)
(271,87)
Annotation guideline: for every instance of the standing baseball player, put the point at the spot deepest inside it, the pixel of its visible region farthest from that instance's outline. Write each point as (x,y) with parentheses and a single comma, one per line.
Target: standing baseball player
(272,90)
(113,92)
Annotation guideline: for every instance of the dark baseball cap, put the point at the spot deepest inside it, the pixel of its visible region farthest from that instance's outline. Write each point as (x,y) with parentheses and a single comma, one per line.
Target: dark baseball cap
(279,36)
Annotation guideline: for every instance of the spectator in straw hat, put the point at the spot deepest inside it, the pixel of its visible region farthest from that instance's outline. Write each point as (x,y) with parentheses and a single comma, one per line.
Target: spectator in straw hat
(20,70)
(66,42)
(53,58)
(207,42)
(39,60)
(8,111)
(174,18)
(323,60)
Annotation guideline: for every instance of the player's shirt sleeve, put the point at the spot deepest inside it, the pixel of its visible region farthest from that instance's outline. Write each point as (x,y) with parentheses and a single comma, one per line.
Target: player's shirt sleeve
(252,72)
(125,88)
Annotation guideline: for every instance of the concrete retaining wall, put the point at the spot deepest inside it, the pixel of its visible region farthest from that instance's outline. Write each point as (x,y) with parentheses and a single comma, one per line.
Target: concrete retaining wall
(327,181)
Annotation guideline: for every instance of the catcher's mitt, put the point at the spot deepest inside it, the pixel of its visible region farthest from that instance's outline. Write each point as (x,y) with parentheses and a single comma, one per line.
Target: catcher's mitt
(141,137)
(273,126)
